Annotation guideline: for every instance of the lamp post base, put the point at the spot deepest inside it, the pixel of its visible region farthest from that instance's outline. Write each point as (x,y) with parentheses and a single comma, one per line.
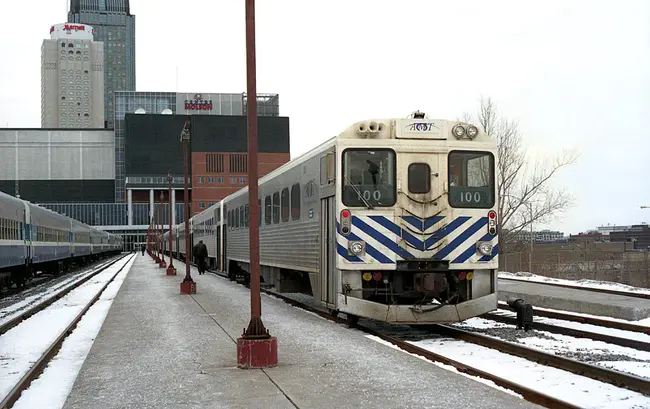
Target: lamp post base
(162,264)
(188,287)
(257,353)
(171,270)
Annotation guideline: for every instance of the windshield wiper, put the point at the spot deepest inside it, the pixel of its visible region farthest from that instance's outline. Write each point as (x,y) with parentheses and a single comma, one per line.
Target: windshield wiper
(368,205)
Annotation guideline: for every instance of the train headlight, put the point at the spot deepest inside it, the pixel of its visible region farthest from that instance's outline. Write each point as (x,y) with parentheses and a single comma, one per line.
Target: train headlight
(458,131)
(472,131)
(484,247)
(357,248)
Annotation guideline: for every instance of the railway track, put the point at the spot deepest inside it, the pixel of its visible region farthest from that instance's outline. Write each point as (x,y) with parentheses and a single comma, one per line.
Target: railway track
(618,379)
(558,329)
(601,322)
(577,287)
(41,363)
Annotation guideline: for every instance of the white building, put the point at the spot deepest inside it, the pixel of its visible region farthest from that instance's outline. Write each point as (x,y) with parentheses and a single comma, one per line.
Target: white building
(72,78)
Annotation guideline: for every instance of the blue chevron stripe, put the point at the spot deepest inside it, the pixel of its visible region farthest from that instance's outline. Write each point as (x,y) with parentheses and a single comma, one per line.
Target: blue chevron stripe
(452,245)
(495,252)
(422,224)
(372,252)
(364,227)
(471,250)
(445,231)
(412,240)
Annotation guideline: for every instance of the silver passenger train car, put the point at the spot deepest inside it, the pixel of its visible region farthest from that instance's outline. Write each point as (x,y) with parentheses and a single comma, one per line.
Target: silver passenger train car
(393,219)
(34,238)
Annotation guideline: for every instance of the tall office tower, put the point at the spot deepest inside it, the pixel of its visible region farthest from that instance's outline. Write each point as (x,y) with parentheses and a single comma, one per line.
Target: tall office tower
(115,26)
(72,78)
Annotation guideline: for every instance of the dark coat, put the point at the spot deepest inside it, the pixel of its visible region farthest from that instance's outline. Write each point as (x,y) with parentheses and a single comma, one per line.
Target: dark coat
(200,251)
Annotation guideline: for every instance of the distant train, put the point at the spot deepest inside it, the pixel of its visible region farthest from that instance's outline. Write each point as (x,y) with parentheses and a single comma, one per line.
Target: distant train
(33,238)
(393,219)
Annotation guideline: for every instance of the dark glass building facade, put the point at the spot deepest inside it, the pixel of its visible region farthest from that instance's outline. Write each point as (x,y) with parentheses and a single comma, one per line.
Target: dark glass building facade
(115,26)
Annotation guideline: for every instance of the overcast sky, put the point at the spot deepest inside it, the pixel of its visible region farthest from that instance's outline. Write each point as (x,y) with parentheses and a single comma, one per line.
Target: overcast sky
(574,74)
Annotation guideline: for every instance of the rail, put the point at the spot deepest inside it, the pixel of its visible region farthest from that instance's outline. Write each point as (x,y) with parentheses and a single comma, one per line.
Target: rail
(39,366)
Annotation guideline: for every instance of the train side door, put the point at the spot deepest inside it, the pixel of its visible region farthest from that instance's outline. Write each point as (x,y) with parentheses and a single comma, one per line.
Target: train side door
(328,272)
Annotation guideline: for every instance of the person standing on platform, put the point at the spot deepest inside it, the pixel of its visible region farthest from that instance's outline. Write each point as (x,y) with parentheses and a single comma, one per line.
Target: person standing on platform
(200,253)
(143,248)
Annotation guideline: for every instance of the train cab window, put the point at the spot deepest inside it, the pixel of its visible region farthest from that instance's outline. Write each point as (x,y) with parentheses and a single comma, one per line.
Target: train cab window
(268,210)
(419,178)
(285,205)
(276,208)
(471,179)
(295,202)
(369,178)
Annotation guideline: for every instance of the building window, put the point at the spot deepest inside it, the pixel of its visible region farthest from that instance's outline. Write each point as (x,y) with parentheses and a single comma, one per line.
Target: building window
(219,179)
(242,180)
(233,180)
(214,163)
(200,180)
(210,179)
(202,205)
(238,162)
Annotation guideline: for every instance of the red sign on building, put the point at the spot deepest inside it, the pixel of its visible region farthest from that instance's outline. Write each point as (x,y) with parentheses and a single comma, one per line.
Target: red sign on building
(198,104)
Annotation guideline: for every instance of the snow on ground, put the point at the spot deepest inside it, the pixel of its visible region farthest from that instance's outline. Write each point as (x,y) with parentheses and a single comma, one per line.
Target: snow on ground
(24,344)
(52,388)
(525,276)
(581,349)
(42,291)
(578,390)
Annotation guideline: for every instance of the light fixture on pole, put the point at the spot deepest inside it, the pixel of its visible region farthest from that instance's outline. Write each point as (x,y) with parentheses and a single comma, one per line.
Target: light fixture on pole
(171,270)
(188,285)
(162,232)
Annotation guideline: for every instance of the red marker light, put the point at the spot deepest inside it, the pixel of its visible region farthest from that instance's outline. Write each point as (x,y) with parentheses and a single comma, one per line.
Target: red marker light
(345,213)
(492,214)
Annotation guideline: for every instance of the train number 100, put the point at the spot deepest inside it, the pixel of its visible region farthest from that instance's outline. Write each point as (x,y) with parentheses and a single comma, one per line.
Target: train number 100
(469,197)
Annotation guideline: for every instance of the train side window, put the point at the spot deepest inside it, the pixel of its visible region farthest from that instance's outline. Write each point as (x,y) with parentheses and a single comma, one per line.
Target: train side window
(295,202)
(259,212)
(285,205)
(268,210)
(419,178)
(276,208)
(246,216)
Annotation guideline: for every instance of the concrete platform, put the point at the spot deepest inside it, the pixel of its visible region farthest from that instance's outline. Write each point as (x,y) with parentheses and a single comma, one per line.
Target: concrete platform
(582,301)
(159,349)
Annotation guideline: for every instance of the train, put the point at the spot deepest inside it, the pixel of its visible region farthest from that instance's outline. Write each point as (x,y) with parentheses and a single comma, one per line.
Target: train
(394,220)
(33,238)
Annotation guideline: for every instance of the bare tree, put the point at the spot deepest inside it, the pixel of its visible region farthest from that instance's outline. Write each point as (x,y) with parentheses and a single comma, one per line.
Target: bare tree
(525,196)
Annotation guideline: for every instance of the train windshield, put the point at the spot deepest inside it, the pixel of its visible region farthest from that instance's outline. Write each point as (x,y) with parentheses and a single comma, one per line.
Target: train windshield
(369,178)
(471,179)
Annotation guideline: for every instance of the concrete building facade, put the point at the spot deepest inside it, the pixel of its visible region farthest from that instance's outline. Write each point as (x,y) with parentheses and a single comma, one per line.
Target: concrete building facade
(58,165)
(72,78)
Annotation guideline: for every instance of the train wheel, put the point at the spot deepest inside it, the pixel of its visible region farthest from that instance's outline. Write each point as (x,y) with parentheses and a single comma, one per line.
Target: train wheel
(333,313)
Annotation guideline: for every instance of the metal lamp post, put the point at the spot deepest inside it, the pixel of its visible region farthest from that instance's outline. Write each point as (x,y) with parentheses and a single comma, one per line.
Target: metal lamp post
(255,348)
(171,270)
(188,285)
(162,264)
